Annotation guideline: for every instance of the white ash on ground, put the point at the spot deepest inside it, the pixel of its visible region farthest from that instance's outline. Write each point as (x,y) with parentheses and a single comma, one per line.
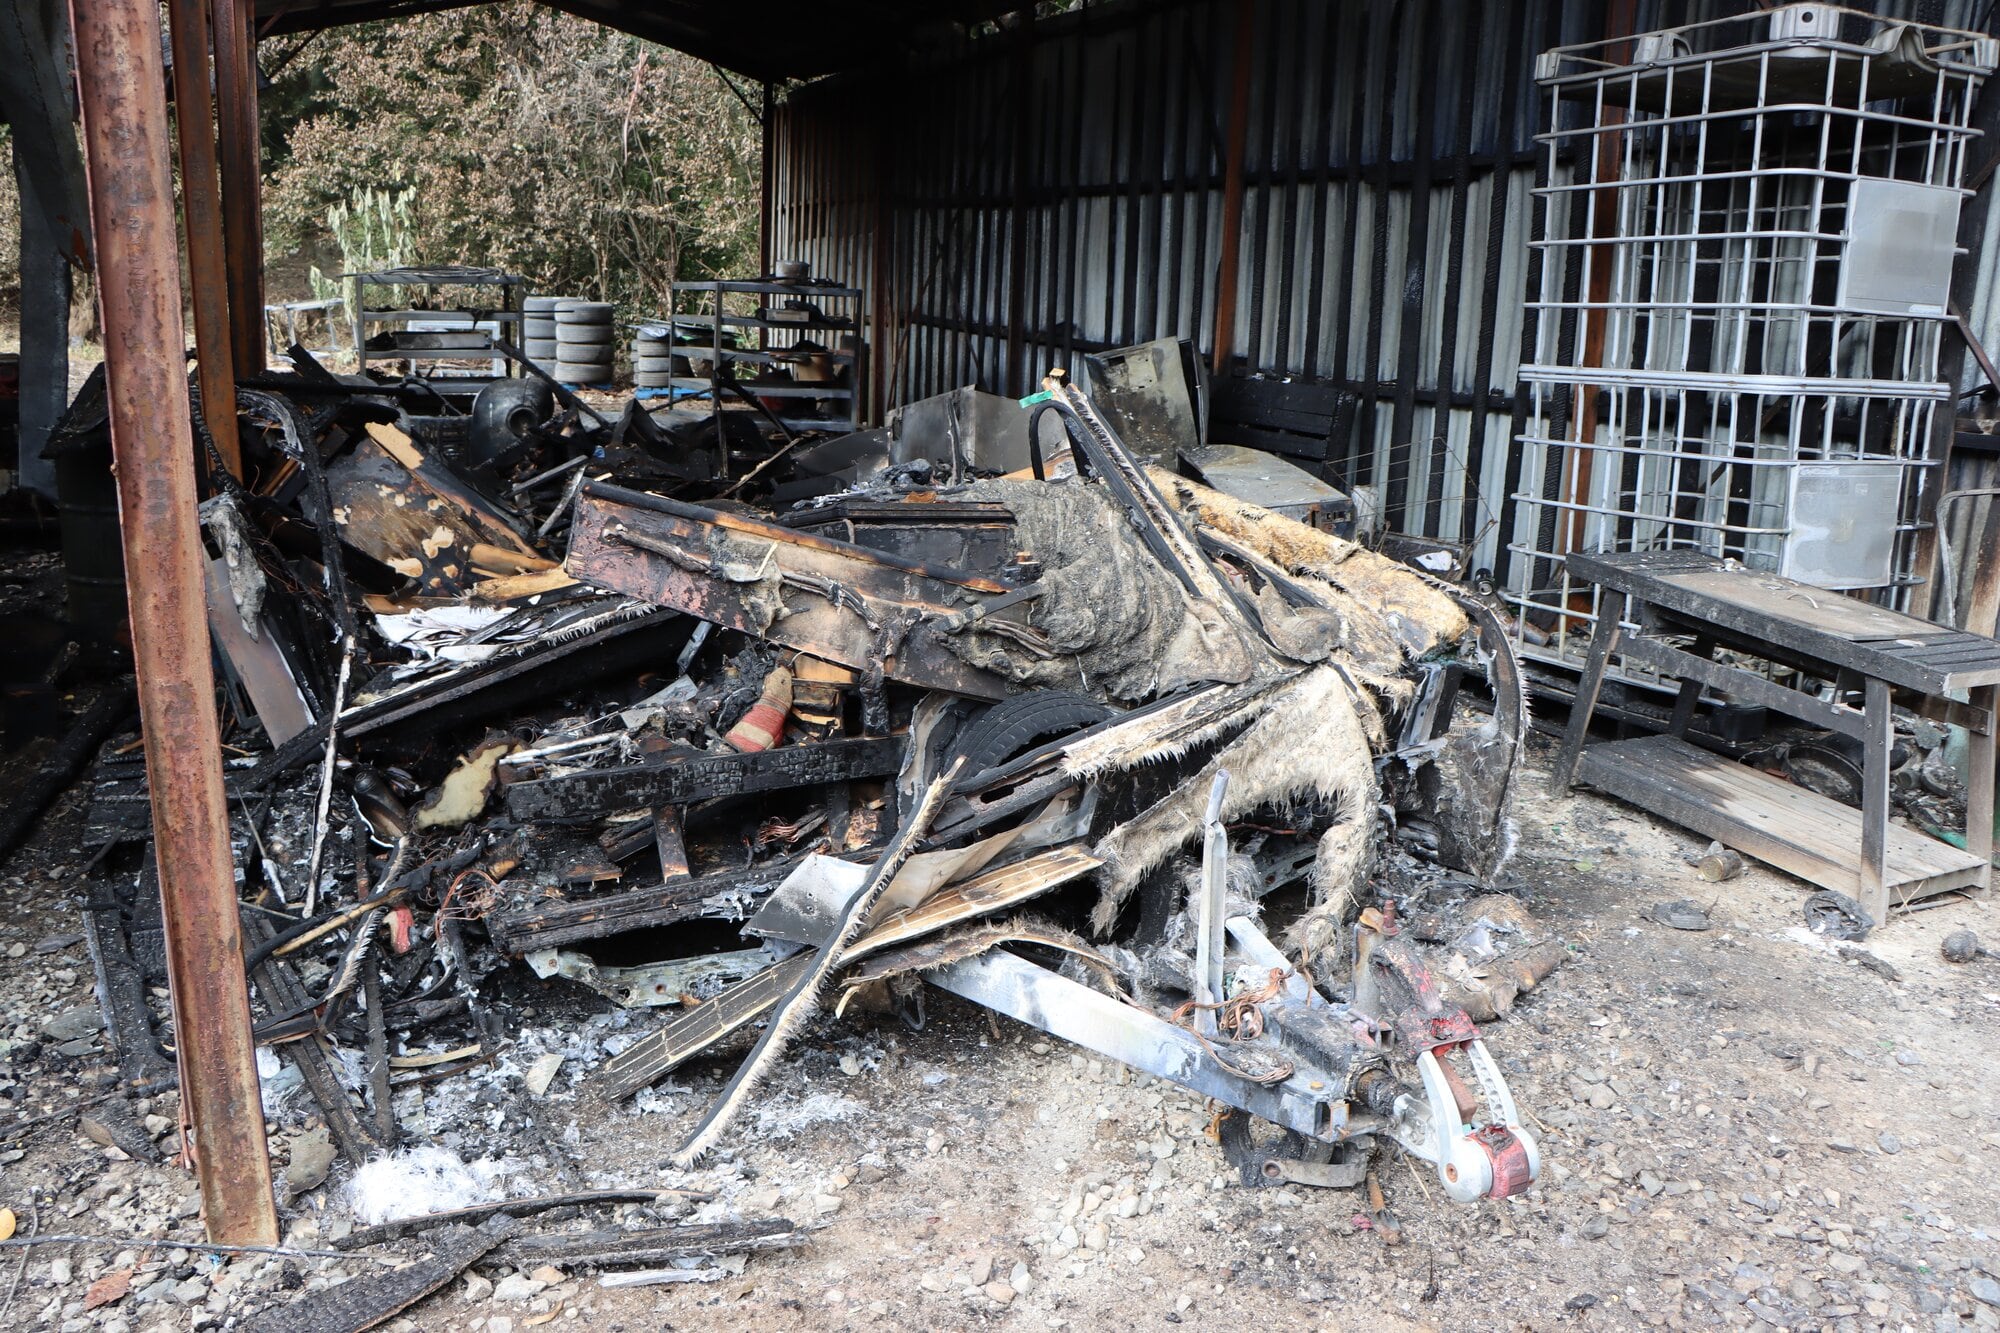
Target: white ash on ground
(1741,1129)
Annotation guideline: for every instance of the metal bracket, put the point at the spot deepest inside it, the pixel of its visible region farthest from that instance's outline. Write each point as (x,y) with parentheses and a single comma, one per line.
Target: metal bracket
(1294,1159)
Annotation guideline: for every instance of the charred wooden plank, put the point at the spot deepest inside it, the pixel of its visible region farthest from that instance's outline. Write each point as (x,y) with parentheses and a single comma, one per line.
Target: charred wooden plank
(61,765)
(121,986)
(862,608)
(671,845)
(278,985)
(591,795)
(362,1237)
(983,895)
(366,1301)
(969,941)
(652,1057)
(655,1055)
(521,929)
(653,1245)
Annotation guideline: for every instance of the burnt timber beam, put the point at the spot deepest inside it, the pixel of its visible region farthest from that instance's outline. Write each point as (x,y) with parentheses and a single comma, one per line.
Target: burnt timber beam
(580,796)
(375,1297)
(522,929)
(127,161)
(279,986)
(241,135)
(602,1249)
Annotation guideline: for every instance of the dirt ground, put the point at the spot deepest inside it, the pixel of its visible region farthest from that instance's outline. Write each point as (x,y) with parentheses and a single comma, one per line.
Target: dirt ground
(1737,1126)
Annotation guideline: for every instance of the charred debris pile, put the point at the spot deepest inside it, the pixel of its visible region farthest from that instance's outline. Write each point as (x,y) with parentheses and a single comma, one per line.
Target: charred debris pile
(534,711)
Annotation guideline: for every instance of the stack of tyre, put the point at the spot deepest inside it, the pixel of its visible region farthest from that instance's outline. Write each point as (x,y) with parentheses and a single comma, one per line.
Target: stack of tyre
(538,330)
(583,342)
(653,357)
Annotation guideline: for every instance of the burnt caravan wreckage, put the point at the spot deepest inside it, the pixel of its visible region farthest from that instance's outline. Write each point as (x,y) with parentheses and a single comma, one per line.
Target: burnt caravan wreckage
(524,693)
(1138,666)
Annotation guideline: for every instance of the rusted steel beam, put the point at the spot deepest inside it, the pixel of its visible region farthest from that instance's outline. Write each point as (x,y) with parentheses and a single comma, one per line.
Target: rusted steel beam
(138,284)
(201,214)
(1232,187)
(242,179)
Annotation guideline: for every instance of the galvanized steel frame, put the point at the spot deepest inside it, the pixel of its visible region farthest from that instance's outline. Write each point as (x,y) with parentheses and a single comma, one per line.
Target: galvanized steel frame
(1689,237)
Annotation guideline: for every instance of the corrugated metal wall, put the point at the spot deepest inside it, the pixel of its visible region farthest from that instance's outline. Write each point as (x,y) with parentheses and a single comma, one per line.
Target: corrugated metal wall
(1059,188)
(1087,155)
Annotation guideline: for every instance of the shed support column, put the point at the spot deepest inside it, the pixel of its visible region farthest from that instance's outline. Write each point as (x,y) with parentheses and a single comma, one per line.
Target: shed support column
(1232,189)
(138,279)
(45,292)
(201,211)
(242,159)
(38,101)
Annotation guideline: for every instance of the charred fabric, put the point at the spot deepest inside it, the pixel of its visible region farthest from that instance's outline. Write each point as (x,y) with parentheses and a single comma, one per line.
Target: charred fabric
(1157,771)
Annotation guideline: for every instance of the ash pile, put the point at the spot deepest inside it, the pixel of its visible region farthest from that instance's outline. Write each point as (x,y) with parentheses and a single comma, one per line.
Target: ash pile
(563,751)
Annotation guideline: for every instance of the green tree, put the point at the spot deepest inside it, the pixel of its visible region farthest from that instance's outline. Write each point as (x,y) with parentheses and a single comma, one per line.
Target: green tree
(592,162)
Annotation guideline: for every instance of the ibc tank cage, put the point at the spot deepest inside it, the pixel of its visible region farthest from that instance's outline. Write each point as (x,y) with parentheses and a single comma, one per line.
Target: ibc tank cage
(1745,238)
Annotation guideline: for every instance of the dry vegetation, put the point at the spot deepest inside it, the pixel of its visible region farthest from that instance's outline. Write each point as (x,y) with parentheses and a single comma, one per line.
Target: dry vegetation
(595,163)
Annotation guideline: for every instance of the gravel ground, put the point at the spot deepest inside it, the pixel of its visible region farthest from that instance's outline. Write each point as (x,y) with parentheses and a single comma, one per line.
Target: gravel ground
(1739,1126)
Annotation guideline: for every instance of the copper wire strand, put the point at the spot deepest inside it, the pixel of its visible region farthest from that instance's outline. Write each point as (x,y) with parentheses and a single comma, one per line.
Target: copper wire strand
(468,907)
(1244,1021)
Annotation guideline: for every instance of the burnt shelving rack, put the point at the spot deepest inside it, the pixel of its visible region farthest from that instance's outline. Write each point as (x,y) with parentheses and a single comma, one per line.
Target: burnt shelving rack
(457,335)
(788,312)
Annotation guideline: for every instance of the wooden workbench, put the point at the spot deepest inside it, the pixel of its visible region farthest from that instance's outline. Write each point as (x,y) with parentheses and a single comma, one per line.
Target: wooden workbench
(1857,647)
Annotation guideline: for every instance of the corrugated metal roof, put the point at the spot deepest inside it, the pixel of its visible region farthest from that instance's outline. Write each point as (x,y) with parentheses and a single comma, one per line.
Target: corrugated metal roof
(772,40)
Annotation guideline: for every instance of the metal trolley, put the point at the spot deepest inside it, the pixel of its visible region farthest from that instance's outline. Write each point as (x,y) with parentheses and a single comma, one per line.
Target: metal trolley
(1745,235)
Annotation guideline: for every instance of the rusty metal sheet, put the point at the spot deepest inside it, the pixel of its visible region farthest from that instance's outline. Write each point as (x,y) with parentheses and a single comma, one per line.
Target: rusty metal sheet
(258,663)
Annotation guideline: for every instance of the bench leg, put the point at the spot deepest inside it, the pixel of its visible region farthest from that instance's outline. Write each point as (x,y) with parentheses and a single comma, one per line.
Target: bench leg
(1876,737)
(1690,695)
(1603,639)
(1979,787)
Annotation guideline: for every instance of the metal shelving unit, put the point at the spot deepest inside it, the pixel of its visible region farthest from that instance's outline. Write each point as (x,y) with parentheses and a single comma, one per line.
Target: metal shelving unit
(1744,242)
(775,335)
(469,343)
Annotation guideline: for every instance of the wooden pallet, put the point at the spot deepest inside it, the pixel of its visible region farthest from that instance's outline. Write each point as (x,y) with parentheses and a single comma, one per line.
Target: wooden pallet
(1796,830)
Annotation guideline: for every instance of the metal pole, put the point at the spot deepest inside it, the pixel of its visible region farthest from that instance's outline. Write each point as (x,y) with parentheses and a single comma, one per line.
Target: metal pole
(201,210)
(242,181)
(1232,188)
(1209,982)
(139,294)
(45,295)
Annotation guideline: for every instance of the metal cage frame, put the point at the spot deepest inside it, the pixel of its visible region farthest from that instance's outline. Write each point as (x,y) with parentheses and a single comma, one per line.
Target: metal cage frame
(1714,343)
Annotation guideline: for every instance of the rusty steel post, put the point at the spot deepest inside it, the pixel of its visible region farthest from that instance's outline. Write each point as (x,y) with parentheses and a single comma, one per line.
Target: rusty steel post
(201,214)
(126,160)
(242,161)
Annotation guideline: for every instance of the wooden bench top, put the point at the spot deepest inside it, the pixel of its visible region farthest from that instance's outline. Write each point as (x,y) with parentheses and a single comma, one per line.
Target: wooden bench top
(1814,622)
